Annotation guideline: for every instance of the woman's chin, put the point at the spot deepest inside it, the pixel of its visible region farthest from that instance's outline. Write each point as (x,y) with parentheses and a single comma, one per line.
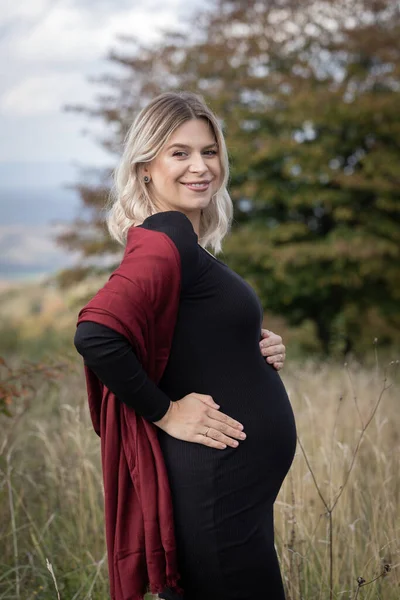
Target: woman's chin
(199,204)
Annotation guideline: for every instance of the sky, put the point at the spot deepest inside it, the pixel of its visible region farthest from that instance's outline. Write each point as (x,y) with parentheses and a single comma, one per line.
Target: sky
(49,50)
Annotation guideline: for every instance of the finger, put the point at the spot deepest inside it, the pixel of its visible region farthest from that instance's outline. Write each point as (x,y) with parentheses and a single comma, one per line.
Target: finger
(278,366)
(272,340)
(265,333)
(276,358)
(280,358)
(273,350)
(227,430)
(210,442)
(223,418)
(206,399)
(221,437)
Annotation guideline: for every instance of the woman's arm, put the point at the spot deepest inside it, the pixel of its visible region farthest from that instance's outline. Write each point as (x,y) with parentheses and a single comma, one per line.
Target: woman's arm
(110,356)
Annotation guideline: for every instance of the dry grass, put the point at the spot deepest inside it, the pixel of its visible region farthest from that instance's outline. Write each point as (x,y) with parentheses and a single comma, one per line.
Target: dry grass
(359,519)
(51,492)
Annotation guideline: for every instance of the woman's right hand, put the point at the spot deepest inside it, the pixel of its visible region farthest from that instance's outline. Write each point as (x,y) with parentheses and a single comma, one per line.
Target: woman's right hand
(193,416)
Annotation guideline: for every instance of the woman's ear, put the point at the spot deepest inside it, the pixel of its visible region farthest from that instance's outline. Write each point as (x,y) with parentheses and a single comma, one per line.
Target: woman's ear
(145,174)
(145,168)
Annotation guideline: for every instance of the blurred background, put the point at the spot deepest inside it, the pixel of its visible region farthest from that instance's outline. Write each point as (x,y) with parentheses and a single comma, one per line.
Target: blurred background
(307,92)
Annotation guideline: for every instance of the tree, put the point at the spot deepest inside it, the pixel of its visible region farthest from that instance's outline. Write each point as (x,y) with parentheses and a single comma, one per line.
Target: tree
(308,94)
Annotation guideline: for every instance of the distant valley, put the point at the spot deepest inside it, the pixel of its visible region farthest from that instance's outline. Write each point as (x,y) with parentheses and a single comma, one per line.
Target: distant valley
(36,201)
(29,221)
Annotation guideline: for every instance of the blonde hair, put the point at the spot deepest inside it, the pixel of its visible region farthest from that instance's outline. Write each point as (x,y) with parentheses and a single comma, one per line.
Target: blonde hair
(130,202)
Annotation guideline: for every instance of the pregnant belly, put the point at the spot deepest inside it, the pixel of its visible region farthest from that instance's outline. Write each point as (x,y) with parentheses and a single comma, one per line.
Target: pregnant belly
(264,408)
(263,459)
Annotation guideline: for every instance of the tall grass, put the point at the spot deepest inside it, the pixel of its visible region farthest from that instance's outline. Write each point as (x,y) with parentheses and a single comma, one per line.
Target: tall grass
(51,499)
(337,516)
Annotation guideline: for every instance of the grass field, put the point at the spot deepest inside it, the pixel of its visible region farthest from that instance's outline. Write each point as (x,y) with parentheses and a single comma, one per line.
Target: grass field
(348,422)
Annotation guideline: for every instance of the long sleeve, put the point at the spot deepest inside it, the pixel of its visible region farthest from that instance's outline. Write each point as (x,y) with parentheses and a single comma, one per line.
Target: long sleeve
(110,356)
(141,296)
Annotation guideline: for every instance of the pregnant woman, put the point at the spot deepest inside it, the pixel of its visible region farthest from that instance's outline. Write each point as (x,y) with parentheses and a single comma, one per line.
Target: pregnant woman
(222,418)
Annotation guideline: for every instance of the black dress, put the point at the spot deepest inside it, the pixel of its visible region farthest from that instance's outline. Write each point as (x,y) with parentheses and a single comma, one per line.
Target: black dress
(223,499)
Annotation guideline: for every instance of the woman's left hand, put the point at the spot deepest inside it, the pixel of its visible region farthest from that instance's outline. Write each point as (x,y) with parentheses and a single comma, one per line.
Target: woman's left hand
(272,348)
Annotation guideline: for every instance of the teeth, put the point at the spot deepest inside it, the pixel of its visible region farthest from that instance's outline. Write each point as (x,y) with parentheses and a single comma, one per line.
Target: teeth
(197,184)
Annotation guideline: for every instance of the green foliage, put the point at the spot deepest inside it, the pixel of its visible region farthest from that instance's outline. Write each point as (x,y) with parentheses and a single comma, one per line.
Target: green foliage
(308,94)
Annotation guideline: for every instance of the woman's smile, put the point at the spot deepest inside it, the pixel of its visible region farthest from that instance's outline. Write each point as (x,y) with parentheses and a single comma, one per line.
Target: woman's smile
(197,187)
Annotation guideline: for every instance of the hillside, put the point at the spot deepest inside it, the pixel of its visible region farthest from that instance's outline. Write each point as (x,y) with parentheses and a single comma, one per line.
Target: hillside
(37,317)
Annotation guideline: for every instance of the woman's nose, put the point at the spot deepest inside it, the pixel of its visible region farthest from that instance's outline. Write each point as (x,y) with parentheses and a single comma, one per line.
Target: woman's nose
(198,164)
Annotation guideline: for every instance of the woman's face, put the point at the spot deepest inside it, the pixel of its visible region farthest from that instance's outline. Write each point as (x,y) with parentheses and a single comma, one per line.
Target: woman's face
(187,171)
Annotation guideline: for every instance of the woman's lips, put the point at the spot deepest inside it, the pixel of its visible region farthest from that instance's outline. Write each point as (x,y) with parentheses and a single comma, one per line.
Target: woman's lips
(197,187)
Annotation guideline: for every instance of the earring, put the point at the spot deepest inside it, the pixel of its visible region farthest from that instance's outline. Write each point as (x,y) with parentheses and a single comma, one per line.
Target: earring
(146,179)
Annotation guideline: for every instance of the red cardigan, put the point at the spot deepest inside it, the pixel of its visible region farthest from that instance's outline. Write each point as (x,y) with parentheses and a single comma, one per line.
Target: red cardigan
(140,301)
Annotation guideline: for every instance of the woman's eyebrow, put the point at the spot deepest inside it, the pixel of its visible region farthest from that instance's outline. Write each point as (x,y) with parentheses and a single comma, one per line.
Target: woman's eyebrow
(186,146)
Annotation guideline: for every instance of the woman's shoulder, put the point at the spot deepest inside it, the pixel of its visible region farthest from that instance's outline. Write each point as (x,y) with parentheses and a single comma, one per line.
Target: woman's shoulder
(172,222)
(179,229)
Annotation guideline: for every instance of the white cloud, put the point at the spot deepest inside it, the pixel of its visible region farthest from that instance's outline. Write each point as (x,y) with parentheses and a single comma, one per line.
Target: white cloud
(67,33)
(23,9)
(52,47)
(60,47)
(45,93)
(63,34)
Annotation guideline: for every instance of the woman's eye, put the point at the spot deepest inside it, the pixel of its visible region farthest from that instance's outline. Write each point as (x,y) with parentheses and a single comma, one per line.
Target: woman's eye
(207,152)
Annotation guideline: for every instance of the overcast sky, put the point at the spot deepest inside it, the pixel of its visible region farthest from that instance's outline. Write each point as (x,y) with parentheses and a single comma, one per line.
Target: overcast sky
(48,50)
